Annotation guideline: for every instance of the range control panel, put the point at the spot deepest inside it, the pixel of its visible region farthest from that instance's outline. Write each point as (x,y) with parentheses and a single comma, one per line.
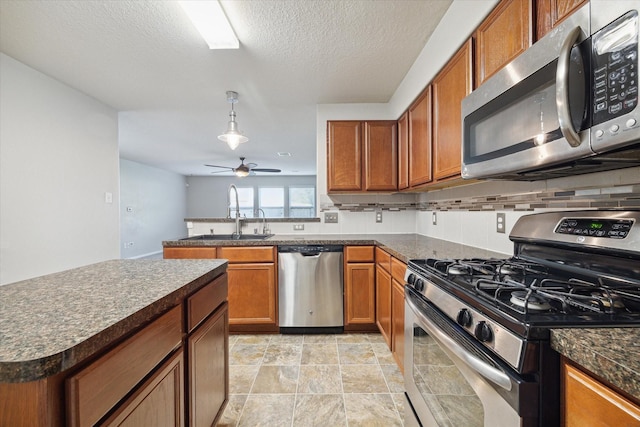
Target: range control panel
(595,227)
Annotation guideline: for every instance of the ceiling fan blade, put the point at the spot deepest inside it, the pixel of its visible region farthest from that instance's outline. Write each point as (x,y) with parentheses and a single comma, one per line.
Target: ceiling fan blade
(216,166)
(265,170)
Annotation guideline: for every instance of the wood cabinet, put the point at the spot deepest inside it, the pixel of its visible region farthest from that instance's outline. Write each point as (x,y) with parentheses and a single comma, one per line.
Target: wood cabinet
(398,269)
(383,294)
(188,252)
(359,281)
(420,140)
(450,86)
(550,13)
(362,156)
(502,36)
(403,152)
(588,402)
(253,290)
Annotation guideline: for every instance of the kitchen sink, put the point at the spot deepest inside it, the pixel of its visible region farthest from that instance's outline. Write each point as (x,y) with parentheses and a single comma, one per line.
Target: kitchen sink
(229,237)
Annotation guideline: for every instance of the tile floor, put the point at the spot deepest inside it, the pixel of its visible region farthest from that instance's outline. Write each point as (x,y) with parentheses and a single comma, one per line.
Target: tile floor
(313,380)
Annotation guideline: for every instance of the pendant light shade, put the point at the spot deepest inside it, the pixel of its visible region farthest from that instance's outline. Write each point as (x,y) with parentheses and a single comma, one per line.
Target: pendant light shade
(233,137)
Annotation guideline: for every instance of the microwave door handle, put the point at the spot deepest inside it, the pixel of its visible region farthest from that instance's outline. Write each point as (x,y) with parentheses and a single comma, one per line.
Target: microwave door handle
(489,372)
(562,89)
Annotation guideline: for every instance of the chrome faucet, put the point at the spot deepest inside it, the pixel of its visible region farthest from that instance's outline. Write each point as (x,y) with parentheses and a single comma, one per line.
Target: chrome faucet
(264,221)
(238,231)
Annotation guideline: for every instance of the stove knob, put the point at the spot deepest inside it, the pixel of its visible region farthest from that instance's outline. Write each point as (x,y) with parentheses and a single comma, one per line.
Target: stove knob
(483,332)
(464,318)
(411,278)
(419,285)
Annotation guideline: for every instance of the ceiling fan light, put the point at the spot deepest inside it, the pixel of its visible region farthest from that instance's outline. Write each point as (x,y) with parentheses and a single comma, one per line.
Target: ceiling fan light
(241,173)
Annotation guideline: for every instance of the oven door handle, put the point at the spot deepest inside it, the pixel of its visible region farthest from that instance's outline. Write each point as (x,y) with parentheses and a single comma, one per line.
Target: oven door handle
(494,375)
(562,89)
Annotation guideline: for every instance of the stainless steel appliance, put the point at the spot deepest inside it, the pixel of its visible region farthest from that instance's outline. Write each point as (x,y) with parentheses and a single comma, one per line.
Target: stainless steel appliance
(567,105)
(310,288)
(477,331)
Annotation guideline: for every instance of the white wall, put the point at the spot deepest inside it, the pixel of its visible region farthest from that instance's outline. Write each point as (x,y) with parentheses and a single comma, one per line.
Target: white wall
(153,205)
(58,159)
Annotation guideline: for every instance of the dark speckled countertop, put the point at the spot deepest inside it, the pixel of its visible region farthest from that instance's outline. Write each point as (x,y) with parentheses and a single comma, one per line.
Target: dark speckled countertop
(50,323)
(613,354)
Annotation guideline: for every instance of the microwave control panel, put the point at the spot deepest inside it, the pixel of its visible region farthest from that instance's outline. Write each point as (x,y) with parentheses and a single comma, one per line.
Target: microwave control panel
(595,227)
(615,69)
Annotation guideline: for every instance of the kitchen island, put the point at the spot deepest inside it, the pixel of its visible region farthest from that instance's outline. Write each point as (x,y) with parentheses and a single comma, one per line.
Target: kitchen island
(123,326)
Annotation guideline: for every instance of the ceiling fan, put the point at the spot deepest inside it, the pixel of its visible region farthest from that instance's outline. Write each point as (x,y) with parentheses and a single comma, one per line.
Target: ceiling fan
(244,169)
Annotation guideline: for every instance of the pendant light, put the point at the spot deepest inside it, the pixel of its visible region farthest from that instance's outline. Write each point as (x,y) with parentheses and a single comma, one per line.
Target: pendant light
(233,137)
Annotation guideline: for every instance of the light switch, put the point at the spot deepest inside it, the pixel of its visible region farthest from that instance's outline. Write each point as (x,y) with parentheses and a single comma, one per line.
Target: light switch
(108,197)
(434,218)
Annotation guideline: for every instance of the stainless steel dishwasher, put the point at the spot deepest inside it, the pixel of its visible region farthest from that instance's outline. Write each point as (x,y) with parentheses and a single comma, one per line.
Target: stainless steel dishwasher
(310,289)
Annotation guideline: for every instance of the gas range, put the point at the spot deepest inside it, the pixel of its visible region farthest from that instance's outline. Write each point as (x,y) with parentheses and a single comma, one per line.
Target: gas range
(569,269)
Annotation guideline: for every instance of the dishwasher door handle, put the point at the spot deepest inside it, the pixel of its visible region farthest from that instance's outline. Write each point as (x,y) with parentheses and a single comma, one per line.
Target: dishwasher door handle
(310,254)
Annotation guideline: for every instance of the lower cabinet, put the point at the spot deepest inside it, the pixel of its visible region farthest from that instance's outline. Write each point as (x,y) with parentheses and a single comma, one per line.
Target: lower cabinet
(359,289)
(588,402)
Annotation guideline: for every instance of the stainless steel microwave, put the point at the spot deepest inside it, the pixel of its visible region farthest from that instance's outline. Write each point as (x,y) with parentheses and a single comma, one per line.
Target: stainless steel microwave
(567,105)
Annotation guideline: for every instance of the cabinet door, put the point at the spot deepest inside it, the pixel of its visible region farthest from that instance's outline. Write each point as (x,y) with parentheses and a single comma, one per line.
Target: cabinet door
(397,322)
(449,88)
(252,294)
(587,402)
(208,369)
(381,156)
(550,13)
(503,35)
(344,156)
(420,140)
(360,294)
(190,253)
(383,303)
(158,402)
(403,152)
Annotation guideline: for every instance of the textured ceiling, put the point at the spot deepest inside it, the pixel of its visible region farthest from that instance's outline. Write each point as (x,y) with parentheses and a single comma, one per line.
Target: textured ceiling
(145,59)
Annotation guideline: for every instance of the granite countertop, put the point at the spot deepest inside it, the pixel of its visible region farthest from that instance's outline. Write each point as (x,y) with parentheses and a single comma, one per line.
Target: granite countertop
(402,246)
(50,323)
(613,354)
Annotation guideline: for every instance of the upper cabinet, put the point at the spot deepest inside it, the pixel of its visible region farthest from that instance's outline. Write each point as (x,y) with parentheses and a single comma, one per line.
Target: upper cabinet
(420,140)
(450,86)
(503,35)
(362,156)
(551,12)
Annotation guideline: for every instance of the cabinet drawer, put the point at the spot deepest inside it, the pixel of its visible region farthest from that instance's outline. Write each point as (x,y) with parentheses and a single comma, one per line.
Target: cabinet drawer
(359,253)
(247,254)
(398,269)
(100,386)
(206,300)
(383,259)
(189,253)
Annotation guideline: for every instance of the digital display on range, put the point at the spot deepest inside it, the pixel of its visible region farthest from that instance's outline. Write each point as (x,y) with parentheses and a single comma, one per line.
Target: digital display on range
(607,228)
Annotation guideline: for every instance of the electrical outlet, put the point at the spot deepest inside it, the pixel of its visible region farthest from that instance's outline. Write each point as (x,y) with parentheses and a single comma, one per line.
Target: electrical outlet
(128,245)
(108,197)
(379,216)
(500,223)
(298,227)
(434,218)
(129,208)
(331,217)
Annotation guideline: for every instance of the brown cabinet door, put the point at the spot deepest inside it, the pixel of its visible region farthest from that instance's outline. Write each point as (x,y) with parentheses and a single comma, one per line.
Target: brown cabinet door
(158,402)
(344,156)
(587,402)
(190,253)
(208,369)
(252,294)
(360,303)
(420,140)
(449,88)
(383,303)
(397,322)
(403,152)
(550,13)
(503,35)
(381,156)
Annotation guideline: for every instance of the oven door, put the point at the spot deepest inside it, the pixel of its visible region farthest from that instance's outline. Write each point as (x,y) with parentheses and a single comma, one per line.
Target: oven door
(452,381)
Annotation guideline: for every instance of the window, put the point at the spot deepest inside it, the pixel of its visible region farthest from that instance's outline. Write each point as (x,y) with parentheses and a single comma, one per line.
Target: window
(245,200)
(302,202)
(271,201)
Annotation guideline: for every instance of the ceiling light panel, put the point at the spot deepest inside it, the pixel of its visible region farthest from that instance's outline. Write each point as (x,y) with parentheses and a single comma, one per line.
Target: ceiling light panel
(212,23)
